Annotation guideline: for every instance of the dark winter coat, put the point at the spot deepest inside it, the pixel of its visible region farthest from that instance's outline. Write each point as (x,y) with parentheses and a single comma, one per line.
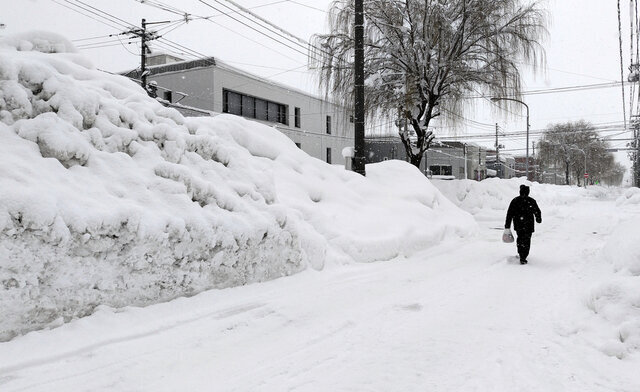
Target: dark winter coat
(522,210)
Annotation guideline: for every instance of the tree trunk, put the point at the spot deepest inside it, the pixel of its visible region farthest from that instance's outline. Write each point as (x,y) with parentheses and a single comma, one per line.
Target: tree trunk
(416,160)
(566,174)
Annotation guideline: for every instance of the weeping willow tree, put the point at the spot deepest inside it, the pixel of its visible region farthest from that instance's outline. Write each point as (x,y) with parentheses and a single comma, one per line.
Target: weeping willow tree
(422,57)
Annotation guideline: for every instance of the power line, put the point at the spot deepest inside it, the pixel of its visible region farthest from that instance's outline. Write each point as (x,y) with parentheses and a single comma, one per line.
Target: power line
(307,6)
(99,13)
(235,32)
(258,17)
(256,30)
(115,27)
(162,6)
(624,114)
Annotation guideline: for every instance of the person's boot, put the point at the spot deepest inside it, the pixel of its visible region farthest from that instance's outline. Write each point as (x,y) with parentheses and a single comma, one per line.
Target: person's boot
(523,260)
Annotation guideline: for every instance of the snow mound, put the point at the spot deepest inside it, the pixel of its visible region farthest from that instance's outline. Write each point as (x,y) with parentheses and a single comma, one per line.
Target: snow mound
(109,198)
(617,305)
(630,196)
(623,248)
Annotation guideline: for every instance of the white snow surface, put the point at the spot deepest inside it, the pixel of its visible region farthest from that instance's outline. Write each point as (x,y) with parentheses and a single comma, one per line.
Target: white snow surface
(109,198)
(462,315)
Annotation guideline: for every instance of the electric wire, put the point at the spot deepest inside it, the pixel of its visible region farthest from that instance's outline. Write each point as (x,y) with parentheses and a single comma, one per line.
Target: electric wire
(255,29)
(115,27)
(624,114)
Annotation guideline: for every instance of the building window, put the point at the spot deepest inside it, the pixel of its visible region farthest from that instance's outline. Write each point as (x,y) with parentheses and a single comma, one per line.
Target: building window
(261,110)
(297,117)
(167,96)
(351,119)
(248,107)
(232,103)
(328,155)
(252,107)
(440,170)
(328,125)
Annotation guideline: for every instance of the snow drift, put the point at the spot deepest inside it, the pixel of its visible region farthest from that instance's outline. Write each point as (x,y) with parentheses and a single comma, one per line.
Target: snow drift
(109,198)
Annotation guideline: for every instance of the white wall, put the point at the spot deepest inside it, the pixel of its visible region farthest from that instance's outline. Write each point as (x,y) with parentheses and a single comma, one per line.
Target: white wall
(205,88)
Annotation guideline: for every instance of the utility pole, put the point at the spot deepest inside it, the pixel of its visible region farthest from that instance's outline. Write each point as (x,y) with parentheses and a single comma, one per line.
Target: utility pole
(144,49)
(359,146)
(497,153)
(143,55)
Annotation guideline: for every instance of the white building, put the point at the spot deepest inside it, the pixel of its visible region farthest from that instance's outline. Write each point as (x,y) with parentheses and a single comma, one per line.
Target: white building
(320,128)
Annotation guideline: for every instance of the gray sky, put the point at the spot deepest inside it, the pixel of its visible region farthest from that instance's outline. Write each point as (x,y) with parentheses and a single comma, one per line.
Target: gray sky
(582,49)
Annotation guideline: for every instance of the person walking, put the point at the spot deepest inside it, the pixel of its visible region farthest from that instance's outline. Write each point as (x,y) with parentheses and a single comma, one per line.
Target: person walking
(522,211)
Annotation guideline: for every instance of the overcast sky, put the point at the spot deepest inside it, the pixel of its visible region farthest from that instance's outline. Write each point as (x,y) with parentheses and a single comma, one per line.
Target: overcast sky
(582,49)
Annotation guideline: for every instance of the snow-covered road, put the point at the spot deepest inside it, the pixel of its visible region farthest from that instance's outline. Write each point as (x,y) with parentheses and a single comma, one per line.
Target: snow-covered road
(458,317)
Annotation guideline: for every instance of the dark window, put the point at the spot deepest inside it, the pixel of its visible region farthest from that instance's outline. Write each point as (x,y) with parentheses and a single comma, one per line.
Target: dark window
(438,170)
(329,125)
(167,96)
(328,155)
(297,117)
(272,112)
(252,107)
(282,114)
(351,119)
(232,103)
(248,107)
(261,109)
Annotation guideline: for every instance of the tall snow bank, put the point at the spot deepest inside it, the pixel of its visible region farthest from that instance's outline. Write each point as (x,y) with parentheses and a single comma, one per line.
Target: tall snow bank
(107,197)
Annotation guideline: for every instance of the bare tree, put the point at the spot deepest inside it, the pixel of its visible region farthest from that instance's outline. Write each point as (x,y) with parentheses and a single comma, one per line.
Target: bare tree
(576,145)
(423,57)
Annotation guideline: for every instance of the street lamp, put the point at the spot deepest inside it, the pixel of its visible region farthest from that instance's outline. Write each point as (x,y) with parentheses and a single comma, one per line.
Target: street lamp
(495,99)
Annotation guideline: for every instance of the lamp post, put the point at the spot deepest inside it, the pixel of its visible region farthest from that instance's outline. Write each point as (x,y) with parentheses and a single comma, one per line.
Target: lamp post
(495,99)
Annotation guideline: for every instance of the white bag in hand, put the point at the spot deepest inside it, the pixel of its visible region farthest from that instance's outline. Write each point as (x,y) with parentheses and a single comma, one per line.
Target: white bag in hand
(507,236)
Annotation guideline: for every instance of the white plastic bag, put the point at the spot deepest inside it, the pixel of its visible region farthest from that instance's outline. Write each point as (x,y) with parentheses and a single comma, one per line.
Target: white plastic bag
(507,236)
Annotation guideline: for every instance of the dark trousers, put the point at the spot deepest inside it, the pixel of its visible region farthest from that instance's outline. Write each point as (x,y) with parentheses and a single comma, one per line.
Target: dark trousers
(524,243)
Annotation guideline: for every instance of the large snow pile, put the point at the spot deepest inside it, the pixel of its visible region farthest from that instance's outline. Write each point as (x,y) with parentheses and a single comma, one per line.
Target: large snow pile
(107,197)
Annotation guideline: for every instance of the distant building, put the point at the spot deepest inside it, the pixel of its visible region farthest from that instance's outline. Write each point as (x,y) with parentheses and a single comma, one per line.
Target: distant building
(521,167)
(503,164)
(452,159)
(208,86)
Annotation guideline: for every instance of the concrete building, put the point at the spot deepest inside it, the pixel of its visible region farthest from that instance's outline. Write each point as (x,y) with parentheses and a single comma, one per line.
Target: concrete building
(320,128)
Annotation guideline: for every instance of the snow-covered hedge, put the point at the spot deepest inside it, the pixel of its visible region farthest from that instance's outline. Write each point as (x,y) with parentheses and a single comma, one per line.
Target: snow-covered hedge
(107,197)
